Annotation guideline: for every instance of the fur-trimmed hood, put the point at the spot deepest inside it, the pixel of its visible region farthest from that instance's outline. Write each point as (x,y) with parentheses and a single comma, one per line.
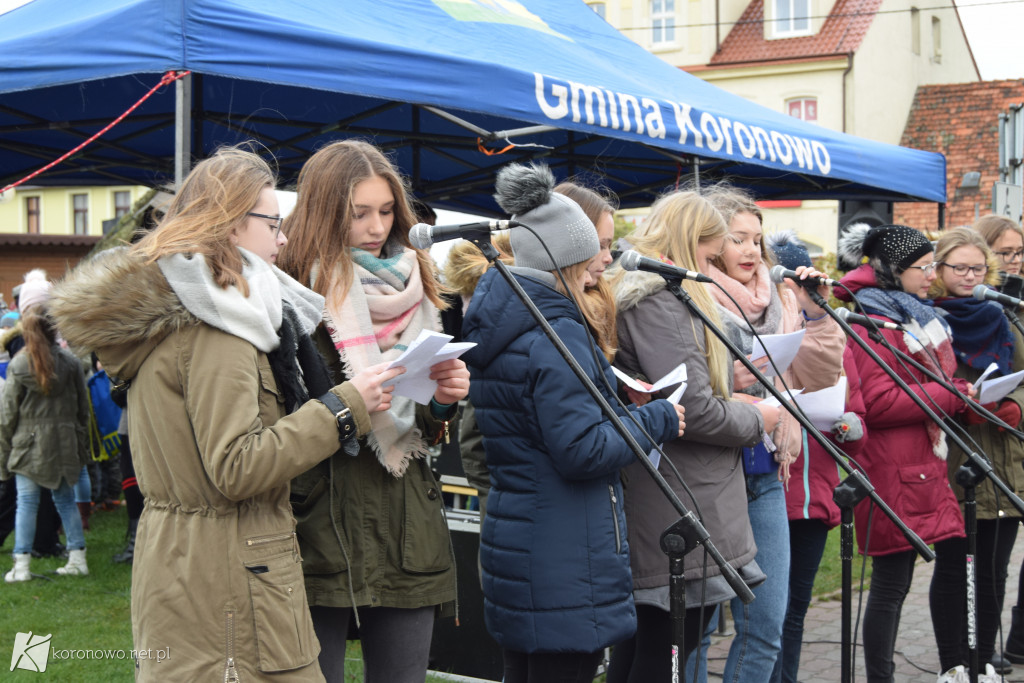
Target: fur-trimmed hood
(10,333)
(632,287)
(118,306)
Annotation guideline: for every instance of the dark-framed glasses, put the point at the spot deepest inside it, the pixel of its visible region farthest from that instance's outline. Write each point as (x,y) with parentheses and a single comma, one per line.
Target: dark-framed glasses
(275,221)
(963,270)
(1010,255)
(928,269)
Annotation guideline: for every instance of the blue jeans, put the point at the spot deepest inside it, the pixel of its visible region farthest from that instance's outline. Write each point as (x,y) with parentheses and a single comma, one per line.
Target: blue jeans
(28,507)
(807,544)
(758,637)
(83,487)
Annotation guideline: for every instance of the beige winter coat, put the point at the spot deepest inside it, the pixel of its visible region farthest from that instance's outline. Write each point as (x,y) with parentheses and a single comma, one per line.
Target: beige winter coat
(217,580)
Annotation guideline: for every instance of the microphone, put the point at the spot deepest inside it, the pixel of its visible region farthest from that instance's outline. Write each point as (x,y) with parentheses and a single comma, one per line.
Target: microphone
(422,235)
(780,273)
(632,260)
(851,318)
(983,293)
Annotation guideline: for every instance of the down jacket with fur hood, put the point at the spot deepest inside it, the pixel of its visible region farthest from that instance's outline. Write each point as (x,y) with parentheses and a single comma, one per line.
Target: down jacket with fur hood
(217,580)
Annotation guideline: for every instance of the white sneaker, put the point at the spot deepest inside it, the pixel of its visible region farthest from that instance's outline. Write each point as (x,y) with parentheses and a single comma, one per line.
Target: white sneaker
(990,675)
(955,675)
(20,572)
(76,564)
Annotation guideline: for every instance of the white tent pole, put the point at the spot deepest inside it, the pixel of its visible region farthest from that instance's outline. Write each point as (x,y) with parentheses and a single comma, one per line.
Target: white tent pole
(182,128)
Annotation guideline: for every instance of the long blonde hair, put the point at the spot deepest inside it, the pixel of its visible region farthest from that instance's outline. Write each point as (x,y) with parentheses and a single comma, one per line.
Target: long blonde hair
(40,336)
(599,296)
(992,227)
(318,227)
(962,237)
(679,222)
(212,202)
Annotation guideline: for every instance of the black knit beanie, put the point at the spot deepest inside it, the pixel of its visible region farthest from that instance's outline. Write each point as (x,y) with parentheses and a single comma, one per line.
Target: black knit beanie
(896,245)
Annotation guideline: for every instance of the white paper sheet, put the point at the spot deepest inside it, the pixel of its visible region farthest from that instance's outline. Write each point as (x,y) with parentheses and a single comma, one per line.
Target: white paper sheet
(772,401)
(426,351)
(781,347)
(677,375)
(992,390)
(824,407)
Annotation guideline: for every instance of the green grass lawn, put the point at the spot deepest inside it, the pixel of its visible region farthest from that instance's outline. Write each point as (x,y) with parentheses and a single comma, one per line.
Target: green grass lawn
(85,613)
(93,613)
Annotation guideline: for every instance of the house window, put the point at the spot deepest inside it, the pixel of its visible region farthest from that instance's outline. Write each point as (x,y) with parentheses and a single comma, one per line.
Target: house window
(805,108)
(663,21)
(80,203)
(122,203)
(936,40)
(915,30)
(792,18)
(599,7)
(32,215)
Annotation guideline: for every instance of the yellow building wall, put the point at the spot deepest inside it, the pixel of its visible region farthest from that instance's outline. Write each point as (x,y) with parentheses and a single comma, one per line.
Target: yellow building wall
(57,208)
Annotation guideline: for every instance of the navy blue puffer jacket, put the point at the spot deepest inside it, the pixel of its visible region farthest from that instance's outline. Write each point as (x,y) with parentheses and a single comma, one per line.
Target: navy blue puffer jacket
(553,547)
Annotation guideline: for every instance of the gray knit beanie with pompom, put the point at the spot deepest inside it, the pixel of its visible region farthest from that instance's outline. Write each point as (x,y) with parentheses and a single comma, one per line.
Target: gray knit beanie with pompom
(527,192)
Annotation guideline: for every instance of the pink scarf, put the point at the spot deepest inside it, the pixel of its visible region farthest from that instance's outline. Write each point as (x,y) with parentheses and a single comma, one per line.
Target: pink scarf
(752,297)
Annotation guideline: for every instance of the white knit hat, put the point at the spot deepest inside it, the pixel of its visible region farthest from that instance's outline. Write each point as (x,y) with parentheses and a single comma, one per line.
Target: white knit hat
(35,290)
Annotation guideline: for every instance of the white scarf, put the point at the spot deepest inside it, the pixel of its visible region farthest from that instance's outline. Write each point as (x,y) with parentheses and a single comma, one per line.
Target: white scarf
(255,318)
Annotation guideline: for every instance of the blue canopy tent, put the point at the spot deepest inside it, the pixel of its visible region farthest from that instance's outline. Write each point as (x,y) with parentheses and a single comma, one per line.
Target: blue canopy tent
(433,81)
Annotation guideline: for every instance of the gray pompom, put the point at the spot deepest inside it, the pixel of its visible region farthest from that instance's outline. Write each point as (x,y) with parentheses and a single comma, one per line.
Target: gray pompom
(523,188)
(782,238)
(851,245)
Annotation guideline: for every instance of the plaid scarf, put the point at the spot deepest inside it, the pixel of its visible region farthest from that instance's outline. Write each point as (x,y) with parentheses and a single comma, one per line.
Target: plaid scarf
(385,310)
(926,336)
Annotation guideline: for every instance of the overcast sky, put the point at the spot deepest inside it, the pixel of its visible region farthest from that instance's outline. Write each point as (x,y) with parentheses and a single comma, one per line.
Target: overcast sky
(995,29)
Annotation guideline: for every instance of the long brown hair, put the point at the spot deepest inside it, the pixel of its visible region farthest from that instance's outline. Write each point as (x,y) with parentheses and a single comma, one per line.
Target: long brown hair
(599,296)
(318,227)
(40,336)
(212,202)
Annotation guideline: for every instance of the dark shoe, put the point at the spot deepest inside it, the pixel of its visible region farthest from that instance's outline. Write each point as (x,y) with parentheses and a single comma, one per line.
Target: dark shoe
(128,554)
(1001,665)
(84,510)
(56,550)
(1014,649)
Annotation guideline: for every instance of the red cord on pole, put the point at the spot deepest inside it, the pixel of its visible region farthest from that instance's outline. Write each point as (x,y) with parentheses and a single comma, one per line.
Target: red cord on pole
(167,79)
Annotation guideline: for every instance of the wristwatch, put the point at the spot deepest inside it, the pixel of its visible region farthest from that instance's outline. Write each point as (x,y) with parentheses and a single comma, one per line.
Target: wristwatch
(346,420)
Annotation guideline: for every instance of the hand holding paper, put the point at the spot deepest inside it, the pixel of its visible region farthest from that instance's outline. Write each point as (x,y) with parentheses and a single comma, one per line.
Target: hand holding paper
(781,347)
(993,390)
(426,351)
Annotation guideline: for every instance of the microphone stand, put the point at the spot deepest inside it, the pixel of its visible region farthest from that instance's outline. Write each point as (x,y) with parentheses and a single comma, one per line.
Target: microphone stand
(973,471)
(854,488)
(682,536)
(1014,320)
(994,419)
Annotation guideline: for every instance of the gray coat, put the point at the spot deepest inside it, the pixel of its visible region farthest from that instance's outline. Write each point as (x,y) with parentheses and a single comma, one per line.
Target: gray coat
(657,333)
(45,437)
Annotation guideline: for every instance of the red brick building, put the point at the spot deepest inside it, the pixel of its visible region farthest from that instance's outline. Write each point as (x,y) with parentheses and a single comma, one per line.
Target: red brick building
(962,122)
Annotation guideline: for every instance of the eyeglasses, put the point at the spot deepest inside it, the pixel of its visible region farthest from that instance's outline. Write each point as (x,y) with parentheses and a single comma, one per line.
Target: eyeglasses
(962,269)
(1008,256)
(275,224)
(928,269)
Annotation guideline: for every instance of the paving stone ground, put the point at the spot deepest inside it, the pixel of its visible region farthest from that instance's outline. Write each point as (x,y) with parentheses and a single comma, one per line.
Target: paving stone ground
(917,660)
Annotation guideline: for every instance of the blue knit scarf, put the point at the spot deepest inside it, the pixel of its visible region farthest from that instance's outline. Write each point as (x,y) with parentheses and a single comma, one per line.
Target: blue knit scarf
(981,333)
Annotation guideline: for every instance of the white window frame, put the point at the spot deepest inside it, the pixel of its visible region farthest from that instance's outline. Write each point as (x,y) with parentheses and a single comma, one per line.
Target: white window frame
(663,23)
(803,100)
(784,28)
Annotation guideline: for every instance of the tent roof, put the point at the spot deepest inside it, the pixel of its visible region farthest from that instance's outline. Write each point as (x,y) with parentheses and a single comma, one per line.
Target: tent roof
(423,78)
